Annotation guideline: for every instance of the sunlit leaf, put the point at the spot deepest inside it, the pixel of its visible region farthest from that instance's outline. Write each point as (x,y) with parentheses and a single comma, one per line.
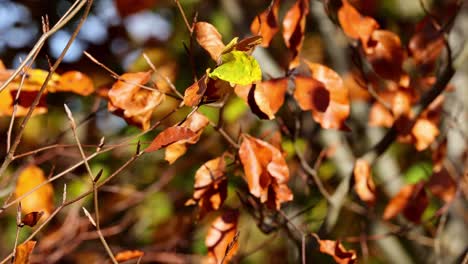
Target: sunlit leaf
(221,239)
(337,251)
(23,252)
(355,25)
(209,39)
(266,23)
(168,136)
(294,23)
(41,199)
(311,94)
(265,171)
(424,132)
(129,255)
(210,186)
(207,91)
(76,82)
(237,68)
(364,184)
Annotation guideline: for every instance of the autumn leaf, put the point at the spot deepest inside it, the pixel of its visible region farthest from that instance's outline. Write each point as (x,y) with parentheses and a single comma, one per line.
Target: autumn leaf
(129,7)
(210,186)
(40,199)
(294,23)
(23,252)
(411,200)
(364,184)
(265,171)
(442,185)
(129,255)
(338,108)
(337,251)
(237,68)
(311,94)
(355,25)
(128,99)
(76,82)
(266,23)
(31,219)
(426,44)
(221,239)
(168,136)
(209,39)
(197,123)
(207,91)
(379,115)
(424,132)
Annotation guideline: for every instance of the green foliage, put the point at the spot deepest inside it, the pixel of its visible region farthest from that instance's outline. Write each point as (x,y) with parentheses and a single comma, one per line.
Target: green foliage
(418,172)
(237,68)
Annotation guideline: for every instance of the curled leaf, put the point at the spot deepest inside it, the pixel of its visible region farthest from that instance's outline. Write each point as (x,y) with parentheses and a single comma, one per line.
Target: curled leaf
(128,99)
(266,23)
(41,199)
(337,251)
(168,136)
(221,239)
(32,218)
(210,186)
(209,39)
(207,91)
(129,255)
(364,184)
(266,171)
(411,200)
(294,23)
(355,25)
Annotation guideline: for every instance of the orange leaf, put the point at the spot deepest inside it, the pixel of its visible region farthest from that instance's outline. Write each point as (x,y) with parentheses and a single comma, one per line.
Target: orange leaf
(221,239)
(386,54)
(209,39)
(266,24)
(40,199)
(355,25)
(128,99)
(442,185)
(207,91)
(32,218)
(411,200)
(364,184)
(424,132)
(266,171)
(311,94)
(196,123)
(128,255)
(338,108)
(337,251)
(380,116)
(168,136)
(210,186)
(23,252)
(294,23)
(76,82)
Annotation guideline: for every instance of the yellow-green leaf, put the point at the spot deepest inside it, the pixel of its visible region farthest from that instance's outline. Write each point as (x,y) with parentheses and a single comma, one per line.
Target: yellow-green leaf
(237,68)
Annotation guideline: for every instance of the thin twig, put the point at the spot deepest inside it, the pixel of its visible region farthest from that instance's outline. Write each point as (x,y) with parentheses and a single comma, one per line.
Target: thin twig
(165,78)
(190,29)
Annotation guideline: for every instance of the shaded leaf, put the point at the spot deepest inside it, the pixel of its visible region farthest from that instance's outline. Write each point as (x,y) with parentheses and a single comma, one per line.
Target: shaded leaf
(266,23)
(41,199)
(23,252)
(426,44)
(441,185)
(32,218)
(338,109)
(411,200)
(168,136)
(128,255)
(210,186)
(207,91)
(337,251)
(237,68)
(136,104)
(129,7)
(364,184)
(265,171)
(220,237)
(294,23)
(209,39)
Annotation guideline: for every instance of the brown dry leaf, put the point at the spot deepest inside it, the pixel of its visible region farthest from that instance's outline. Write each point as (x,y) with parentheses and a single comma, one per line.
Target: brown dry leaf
(23,252)
(442,185)
(128,255)
(265,171)
(32,218)
(266,23)
(386,54)
(209,39)
(196,123)
(311,94)
(355,25)
(76,82)
(364,184)
(411,200)
(337,251)
(338,109)
(426,44)
(136,104)
(379,115)
(207,91)
(210,186)
(424,132)
(169,136)
(41,199)
(221,239)
(129,7)
(294,23)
